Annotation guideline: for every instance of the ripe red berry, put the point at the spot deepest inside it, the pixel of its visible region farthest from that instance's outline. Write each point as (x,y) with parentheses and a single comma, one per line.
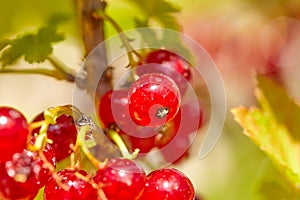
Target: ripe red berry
(177,136)
(114,111)
(104,110)
(176,149)
(154,100)
(189,118)
(168,184)
(170,59)
(121,178)
(23,175)
(169,64)
(63,134)
(142,138)
(76,187)
(13,132)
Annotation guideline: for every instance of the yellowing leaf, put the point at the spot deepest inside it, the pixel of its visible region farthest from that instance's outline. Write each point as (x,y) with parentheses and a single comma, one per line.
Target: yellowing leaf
(271,136)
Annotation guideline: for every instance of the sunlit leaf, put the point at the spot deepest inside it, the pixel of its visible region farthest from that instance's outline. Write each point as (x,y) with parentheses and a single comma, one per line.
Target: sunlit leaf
(284,108)
(35,47)
(271,136)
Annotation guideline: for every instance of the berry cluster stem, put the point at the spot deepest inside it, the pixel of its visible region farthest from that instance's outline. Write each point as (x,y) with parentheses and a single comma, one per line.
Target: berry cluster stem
(120,143)
(81,143)
(126,42)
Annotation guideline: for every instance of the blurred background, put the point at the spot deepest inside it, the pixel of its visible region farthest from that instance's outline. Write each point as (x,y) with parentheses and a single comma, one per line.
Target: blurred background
(242,37)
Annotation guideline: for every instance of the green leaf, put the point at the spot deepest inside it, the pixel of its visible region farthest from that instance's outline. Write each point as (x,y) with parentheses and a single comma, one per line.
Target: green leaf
(57,19)
(284,108)
(274,190)
(270,135)
(159,10)
(273,185)
(4,43)
(34,47)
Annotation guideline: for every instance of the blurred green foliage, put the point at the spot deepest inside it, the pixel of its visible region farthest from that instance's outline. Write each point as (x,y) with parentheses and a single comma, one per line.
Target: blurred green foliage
(18,16)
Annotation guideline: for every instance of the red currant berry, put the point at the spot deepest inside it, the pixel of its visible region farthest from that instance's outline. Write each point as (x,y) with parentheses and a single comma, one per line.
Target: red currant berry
(168,184)
(142,138)
(169,59)
(169,64)
(165,135)
(176,137)
(113,110)
(63,134)
(13,132)
(121,178)
(153,100)
(177,149)
(23,175)
(75,186)
(105,112)
(189,118)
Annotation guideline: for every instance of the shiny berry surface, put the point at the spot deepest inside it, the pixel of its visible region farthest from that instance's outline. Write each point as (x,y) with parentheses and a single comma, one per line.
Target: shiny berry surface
(142,138)
(63,134)
(154,100)
(77,188)
(104,110)
(189,118)
(13,132)
(176,149)
(121,178)
(168,184)
(23,175)
(170,59)
(169,64)
(114,111)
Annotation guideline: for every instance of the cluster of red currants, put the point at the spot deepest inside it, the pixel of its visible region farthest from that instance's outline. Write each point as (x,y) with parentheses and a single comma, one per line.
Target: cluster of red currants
(152,111)
(147,115)
(23,172)
(24,168)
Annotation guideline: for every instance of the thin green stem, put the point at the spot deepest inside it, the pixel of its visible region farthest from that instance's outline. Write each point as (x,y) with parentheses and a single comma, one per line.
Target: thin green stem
(126,42)
(46,72)
(81,142)
(120,143)
(70,74)
(39,71)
